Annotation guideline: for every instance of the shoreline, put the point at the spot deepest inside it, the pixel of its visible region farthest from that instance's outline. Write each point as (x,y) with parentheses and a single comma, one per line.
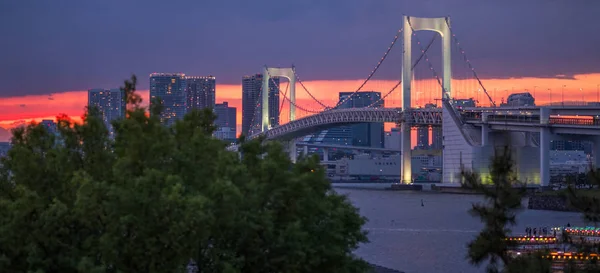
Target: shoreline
(534,201)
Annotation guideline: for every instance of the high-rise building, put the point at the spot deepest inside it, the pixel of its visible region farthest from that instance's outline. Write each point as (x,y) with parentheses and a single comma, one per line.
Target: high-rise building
(51,126)
(251,100)
(170,89)
(4,148)
(436,132)
(200,92)
(364,134)
(422,137)
(111,103)
(436,138)
(226,122)
(393,139)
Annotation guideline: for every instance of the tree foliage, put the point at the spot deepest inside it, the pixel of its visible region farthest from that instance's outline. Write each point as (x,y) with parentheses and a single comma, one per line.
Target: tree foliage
(498,213)
(154,197)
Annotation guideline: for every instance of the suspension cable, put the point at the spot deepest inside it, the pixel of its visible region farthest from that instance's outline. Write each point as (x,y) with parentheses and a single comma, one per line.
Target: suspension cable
(470,66)
(309,93)
(374,70)
(282,102)
(399,82)
(293,103)
(428,62)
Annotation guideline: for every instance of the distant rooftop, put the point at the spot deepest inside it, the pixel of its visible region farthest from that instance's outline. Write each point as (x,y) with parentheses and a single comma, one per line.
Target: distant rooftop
(167,75)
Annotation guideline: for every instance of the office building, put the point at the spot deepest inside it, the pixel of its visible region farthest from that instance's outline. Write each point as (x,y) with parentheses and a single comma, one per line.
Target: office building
(170,89)
(520,99)
(465,103)
(252,99)
(436,138)
(50,126)
(364,134)
(436,132)
(422,137)
(111,104)
(4,148)
(200,92)
(226,122)
(392,139)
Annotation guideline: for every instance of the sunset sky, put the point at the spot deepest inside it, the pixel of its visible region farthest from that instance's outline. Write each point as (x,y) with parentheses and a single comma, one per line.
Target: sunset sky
(51,52)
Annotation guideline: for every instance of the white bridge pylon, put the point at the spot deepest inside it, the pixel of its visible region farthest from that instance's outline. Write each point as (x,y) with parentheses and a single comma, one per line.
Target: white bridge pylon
(440,25)
(269,72)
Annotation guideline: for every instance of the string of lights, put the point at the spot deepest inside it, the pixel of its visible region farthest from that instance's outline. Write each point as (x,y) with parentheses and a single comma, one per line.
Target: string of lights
(462,51)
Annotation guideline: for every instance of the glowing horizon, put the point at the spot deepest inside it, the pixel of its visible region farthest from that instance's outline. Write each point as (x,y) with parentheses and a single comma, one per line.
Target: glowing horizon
(586,87)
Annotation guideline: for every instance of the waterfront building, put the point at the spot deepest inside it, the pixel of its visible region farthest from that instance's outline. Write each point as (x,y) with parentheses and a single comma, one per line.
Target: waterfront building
(170,89)
(392,139)
(251,99)
(364,134)
(111,103)
(200,92)
(226,122)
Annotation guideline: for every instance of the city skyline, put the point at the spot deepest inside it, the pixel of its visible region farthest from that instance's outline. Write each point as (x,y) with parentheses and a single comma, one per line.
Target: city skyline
(333,46)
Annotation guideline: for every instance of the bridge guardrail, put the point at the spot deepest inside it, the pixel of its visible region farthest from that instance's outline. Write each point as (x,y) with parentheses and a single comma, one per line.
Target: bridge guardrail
(536,120)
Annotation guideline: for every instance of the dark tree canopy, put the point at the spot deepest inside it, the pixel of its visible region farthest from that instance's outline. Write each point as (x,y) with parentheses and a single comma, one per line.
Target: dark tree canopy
(154,197)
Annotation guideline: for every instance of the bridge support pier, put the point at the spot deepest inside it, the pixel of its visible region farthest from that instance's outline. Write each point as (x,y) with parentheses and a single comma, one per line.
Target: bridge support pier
(596,144)
(325,154)
(293,151)
(545,137)
(485,130)
(305,150)
(406,153)
(544,156)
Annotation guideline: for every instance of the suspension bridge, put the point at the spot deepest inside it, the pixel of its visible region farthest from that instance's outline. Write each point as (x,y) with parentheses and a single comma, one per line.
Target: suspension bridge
(469,134)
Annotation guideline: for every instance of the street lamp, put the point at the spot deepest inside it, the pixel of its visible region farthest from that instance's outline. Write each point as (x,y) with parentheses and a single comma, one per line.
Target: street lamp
(534,87)
(598,93)
(582,96)
(550,91)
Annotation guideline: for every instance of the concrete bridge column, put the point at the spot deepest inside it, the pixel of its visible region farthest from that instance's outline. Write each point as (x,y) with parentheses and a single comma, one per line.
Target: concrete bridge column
(485,130)
(325,154)
(596,144)
(406,153)
(293,150)
(305,150)
(544,156)
(545,137)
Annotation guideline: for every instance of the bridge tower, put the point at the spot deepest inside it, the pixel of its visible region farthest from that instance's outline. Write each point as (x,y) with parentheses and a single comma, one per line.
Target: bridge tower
(269,72)
(440,25)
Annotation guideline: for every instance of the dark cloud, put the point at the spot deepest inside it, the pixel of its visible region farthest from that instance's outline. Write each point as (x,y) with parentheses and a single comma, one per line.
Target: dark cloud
(55,46)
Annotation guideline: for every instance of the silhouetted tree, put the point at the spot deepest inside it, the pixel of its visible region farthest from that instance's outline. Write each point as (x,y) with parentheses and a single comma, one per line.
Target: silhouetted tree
(503,195)
(154,196)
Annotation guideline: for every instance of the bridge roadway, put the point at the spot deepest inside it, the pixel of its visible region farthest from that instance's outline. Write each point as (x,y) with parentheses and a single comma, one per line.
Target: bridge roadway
(548,121)
(501,118)
(333,118)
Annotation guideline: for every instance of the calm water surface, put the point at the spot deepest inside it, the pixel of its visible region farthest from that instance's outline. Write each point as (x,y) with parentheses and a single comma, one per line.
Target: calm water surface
(431,239)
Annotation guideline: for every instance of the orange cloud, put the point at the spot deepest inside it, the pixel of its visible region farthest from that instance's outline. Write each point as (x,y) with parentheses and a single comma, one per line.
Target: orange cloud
(23,109)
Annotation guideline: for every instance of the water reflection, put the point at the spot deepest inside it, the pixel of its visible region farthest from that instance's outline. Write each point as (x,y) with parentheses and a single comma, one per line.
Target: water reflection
(432,238)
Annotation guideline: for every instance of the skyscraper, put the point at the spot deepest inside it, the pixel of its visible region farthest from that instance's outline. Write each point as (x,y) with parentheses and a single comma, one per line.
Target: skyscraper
(251,97)
(112,105)
(436,138)
(200,92)
(436,132)
(51,126)
(226,122)
(422,137)
(170,89)
(364,134)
